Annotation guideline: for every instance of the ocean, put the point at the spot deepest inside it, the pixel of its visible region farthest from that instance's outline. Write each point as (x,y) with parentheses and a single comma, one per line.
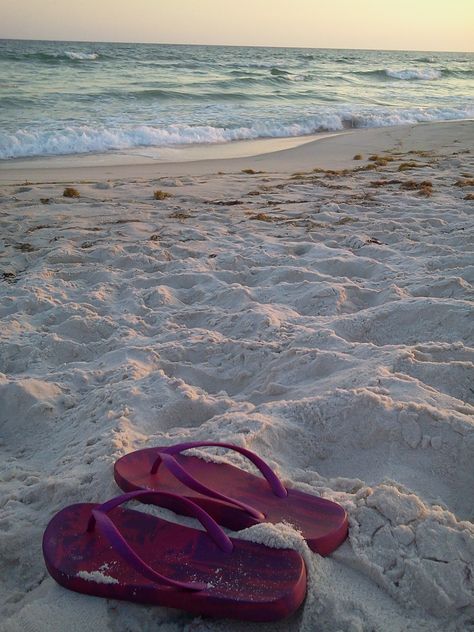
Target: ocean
(60,98)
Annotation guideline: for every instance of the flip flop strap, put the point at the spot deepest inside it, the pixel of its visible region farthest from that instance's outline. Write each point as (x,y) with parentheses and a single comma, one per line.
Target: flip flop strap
(165,456)
(100,519)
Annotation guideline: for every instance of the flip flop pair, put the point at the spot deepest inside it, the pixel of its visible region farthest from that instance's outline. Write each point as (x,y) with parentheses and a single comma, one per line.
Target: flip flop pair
(115,552)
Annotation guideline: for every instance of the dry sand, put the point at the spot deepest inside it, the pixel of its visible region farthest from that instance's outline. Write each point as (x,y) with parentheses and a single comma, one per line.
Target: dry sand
(322,319)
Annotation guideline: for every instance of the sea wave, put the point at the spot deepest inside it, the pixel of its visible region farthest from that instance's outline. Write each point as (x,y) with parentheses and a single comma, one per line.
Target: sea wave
(232,89)
(404,74)
(421,74)
(86,139)
(426,60)
(49,57)
(198,93)
(278,71)
(281,74)
(77,56)
(459,73)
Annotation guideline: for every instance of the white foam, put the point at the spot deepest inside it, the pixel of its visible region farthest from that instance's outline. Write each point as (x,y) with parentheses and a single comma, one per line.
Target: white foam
(422,74)
(81,56)
(78,139)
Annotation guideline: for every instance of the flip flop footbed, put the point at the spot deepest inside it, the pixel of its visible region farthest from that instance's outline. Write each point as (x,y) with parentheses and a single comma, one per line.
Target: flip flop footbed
(252,582)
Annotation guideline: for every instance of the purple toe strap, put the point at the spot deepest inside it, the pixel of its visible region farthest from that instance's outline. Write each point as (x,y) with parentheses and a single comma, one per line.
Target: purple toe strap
(165,456)
(108,529)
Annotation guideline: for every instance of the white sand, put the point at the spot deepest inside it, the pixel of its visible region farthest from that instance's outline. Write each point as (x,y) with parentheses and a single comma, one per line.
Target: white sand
(336,340)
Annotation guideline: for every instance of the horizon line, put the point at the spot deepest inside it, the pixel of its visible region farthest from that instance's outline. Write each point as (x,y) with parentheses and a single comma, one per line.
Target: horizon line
(74,41)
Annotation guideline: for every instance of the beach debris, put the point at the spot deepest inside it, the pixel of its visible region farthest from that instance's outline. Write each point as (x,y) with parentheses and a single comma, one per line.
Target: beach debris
(424,188)
(71,192)
(383,183)
(9,277)
(179,215)
(38,227)
(262,217)
(161,195)
(25,247)
(404,166)
(227,202)
(381,161)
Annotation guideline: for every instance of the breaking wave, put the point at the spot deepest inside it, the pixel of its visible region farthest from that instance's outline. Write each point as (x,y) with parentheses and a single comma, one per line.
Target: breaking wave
(49,57)
(426,74)
(81,56)
(406,74)
(80,139)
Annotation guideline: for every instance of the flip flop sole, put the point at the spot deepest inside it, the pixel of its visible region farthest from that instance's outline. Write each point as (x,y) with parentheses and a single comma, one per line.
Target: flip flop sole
(252,582)
(323,523)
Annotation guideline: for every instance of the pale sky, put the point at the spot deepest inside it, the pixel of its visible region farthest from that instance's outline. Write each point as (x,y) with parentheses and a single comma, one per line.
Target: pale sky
(380,24)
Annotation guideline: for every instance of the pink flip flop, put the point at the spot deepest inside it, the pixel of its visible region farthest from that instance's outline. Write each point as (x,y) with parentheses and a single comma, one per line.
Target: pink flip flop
(112,552)
(233,497)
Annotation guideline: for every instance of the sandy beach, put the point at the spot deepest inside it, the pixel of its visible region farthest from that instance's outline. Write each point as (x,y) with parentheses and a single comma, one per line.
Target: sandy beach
(310,306)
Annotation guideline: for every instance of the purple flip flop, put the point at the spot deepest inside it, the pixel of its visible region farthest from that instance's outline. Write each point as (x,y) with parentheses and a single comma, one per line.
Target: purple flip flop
(117,553)
(233,497)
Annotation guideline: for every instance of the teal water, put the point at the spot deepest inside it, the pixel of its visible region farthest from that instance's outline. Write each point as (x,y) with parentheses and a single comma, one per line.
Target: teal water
(69,97)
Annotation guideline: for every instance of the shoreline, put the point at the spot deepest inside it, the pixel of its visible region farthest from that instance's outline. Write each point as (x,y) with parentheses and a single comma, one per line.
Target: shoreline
(177,154)
(329,150)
